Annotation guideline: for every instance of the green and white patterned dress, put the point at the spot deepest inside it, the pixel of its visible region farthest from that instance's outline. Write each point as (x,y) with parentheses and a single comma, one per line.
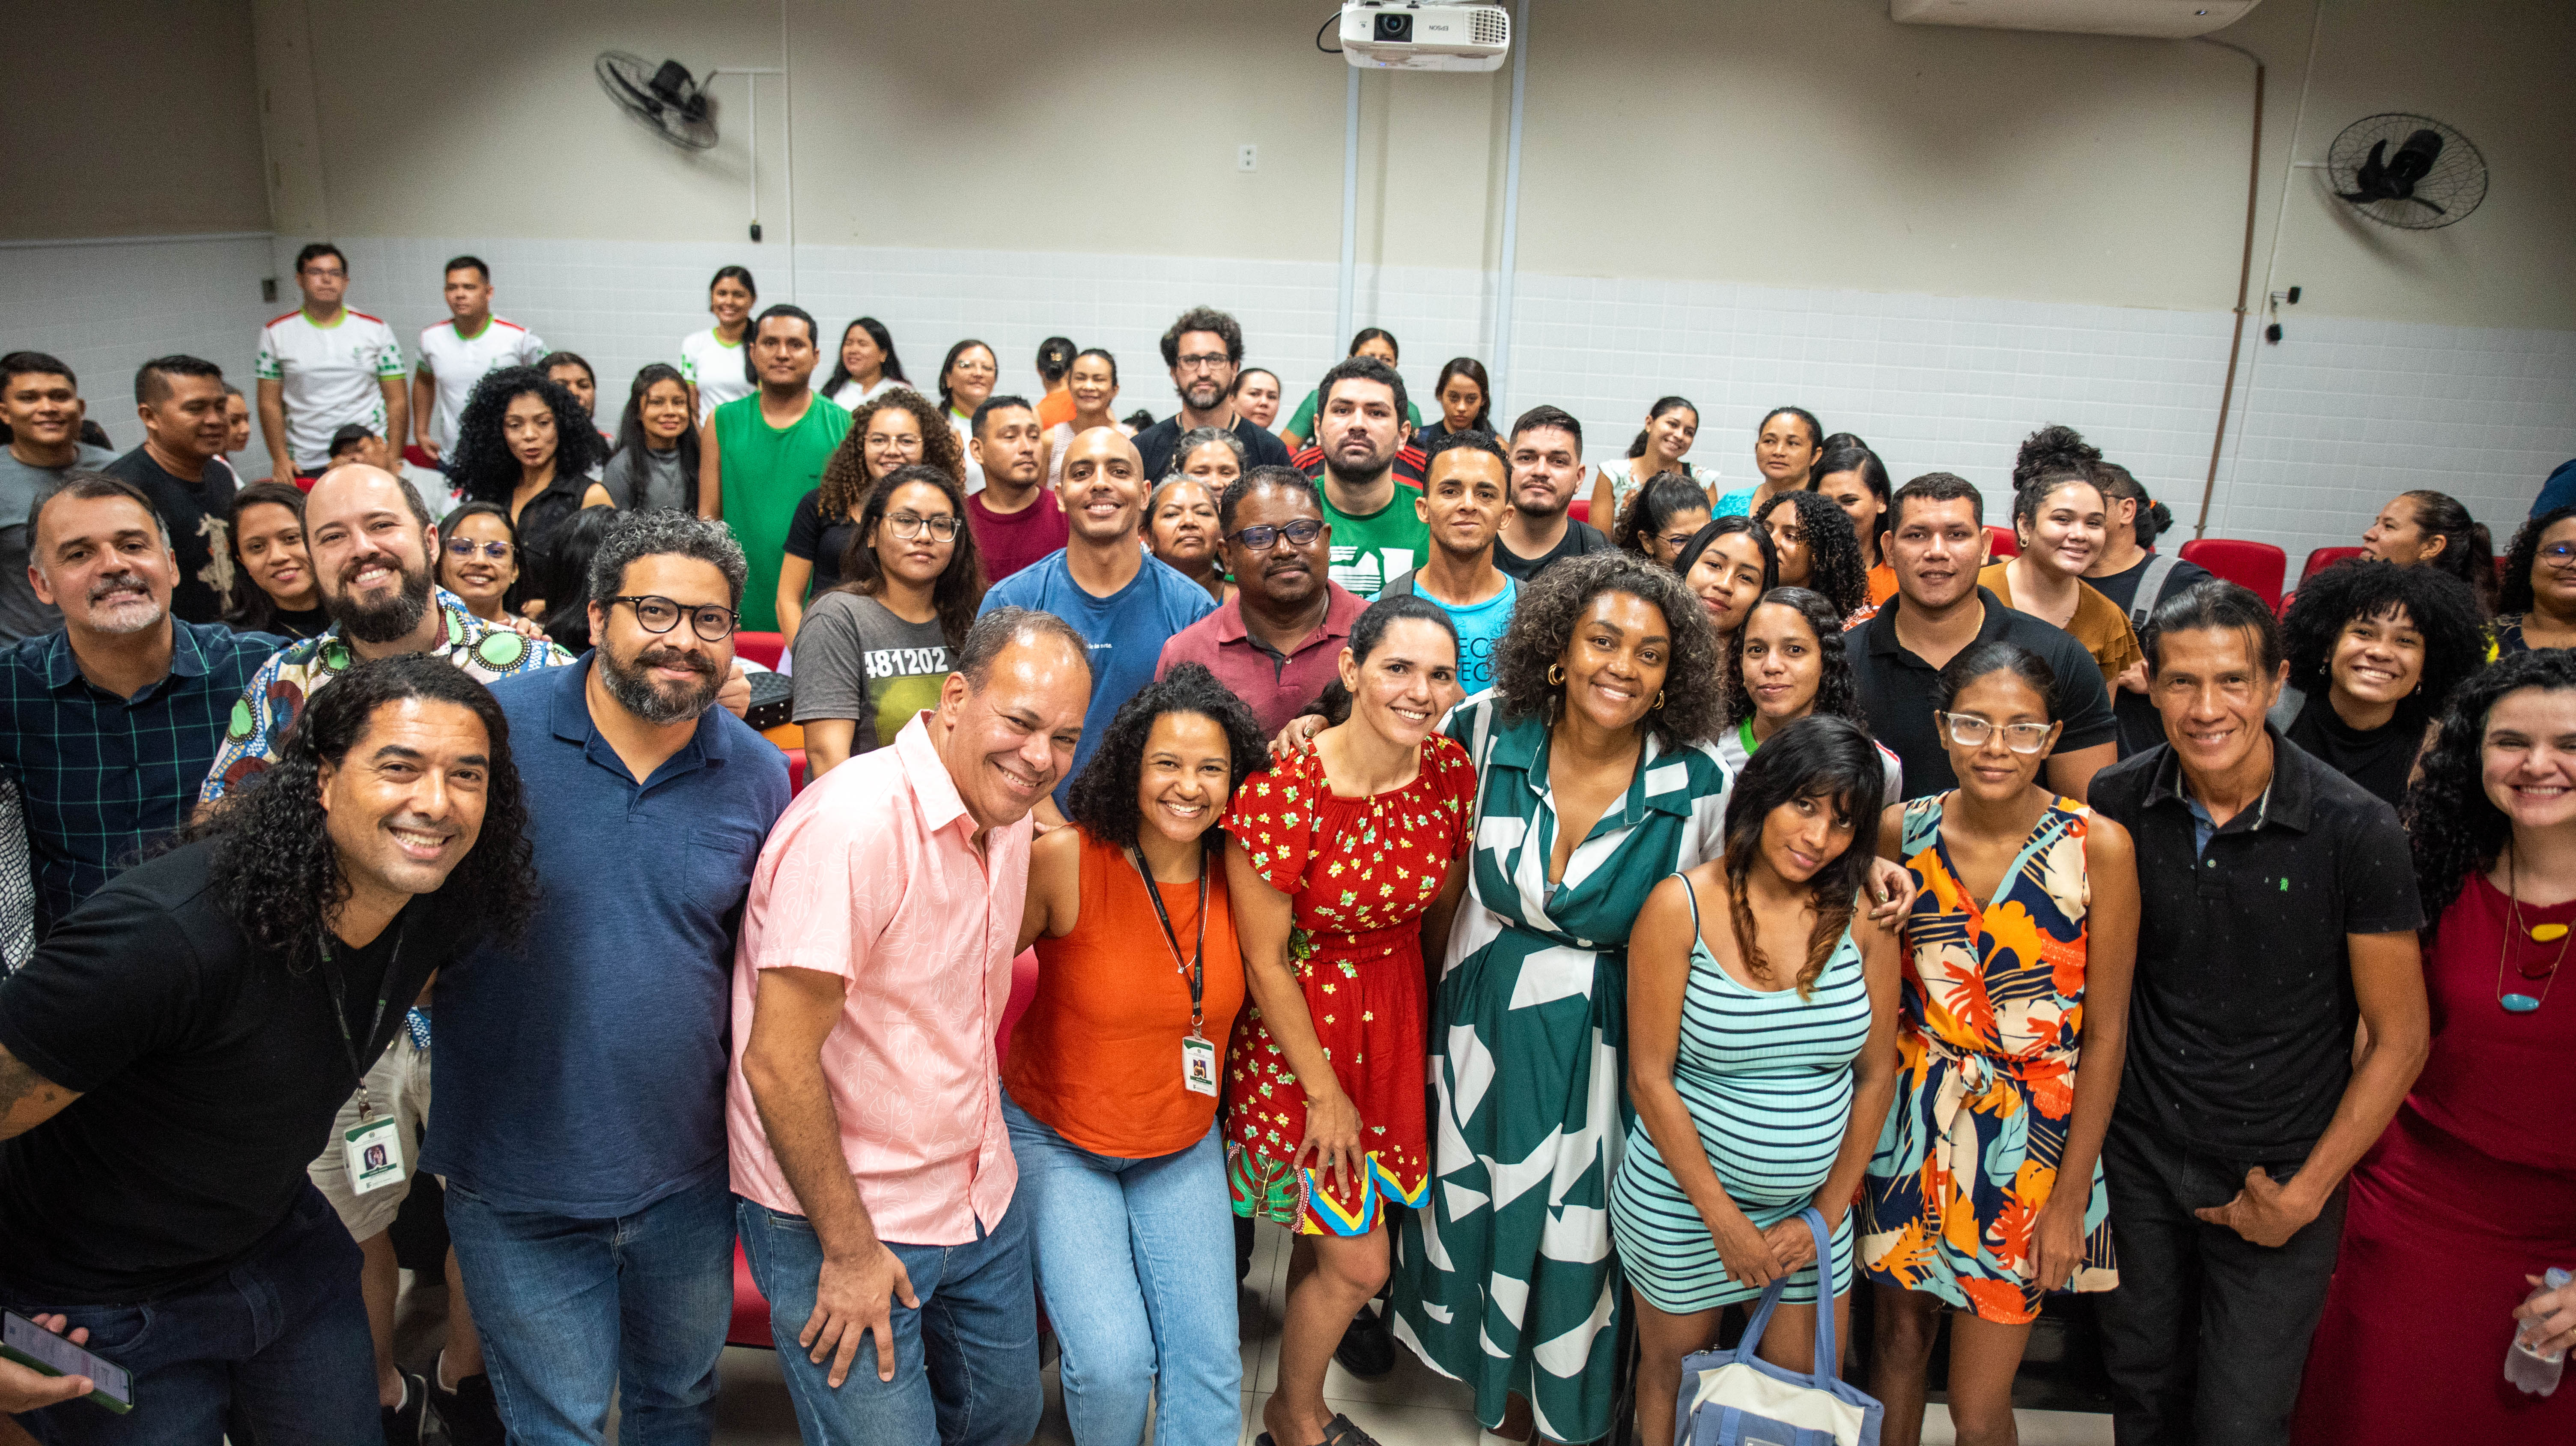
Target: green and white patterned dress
(1505,1278)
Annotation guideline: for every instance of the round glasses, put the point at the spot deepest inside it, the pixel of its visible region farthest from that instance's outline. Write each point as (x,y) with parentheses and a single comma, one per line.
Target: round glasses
(660,615)
(908,525)
(1970,731)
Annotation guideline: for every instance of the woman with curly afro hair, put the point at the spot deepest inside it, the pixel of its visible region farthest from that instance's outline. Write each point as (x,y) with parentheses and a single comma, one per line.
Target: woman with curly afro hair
(525,443)
(2470,1194)
(1597,777)
(2538,606)
(895,428)
(1137,967)
(1817,550)
(2374,650)
(1787,662)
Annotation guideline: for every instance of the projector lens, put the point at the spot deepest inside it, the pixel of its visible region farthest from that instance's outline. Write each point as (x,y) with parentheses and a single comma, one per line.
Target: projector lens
(1396,28)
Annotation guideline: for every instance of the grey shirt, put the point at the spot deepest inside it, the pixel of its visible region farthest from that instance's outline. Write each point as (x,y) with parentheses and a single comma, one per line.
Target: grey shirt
(21,615)
(639,477)
(854,659)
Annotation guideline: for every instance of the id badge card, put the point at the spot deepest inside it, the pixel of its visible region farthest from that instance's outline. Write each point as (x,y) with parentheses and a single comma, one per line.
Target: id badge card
(1198,1066)
(375,1155)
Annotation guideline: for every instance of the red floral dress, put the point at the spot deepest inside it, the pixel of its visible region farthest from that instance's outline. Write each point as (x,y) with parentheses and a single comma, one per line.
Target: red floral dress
(1360,872)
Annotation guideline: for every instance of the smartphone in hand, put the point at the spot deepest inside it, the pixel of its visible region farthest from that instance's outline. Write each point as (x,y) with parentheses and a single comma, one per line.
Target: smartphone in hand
(46,1353)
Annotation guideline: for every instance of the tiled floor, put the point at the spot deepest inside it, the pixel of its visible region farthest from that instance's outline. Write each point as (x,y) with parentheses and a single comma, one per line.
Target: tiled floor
(1411,1406)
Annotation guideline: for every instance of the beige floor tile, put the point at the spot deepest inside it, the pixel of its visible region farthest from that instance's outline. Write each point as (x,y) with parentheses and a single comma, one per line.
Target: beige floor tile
(2037,1428)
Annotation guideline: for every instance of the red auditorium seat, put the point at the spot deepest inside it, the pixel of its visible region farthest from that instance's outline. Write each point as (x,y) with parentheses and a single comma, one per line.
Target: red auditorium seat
(2257,566)
(1580,509)
(2001,543)
(2323,558)
(762,648)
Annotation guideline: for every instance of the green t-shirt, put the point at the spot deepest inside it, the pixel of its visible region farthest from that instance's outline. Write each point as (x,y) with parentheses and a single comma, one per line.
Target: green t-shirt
(1371,549)
(1303,423)
(766,470)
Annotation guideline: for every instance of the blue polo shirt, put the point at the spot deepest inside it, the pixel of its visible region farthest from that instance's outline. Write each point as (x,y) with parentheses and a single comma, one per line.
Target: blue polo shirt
(581,1072)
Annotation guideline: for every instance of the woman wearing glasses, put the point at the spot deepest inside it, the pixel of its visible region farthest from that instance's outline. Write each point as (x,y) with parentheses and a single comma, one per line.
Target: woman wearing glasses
(1986,1192)
(886,432)
(874,650)
(2539,602)
(1661,518)
(478,558)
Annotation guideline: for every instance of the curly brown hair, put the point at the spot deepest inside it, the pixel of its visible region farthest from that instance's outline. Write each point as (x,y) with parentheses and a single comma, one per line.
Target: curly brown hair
(846,482)
(1554,601)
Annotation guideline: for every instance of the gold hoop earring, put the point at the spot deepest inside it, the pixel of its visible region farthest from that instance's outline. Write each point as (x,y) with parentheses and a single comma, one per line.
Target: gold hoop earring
(1659,698)
(1556,675)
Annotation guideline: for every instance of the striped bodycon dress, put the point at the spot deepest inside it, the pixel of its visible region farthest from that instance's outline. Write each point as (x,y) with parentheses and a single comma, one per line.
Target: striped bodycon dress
(1768,1079)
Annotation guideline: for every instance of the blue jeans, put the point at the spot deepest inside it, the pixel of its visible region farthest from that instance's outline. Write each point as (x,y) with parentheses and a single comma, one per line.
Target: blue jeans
(1136,1261)
(278,1341)
(572,1310)
(966,1362)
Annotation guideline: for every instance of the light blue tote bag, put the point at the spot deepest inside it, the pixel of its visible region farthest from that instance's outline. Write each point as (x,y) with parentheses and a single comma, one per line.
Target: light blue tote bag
(1729,1398)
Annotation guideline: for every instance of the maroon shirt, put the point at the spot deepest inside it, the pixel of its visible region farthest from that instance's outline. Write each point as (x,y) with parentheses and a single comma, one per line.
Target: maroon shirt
(1277,688)
(1010,541)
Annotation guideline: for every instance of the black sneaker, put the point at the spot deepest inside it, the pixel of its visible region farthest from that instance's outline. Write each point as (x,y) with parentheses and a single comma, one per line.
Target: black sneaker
(409,1425)
(471,1417)
(1367,1349)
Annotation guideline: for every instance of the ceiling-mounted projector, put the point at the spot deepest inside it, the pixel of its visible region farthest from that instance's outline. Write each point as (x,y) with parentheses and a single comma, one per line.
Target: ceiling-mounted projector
(1386,35)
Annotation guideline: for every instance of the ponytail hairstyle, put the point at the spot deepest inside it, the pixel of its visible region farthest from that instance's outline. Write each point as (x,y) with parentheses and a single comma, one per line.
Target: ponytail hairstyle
(1815,429)
(1652,508)
(1055,358)
(1822,757)
(1662,405)
(2468,553)
(2154,518)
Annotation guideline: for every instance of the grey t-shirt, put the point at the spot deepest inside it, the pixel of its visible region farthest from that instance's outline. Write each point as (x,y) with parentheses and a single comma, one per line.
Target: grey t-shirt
(21,615)
(854,659)
(639,477)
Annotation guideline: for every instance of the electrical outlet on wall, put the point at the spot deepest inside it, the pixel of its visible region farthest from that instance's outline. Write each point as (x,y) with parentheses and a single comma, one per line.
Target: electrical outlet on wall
(1247,158)
(268,288)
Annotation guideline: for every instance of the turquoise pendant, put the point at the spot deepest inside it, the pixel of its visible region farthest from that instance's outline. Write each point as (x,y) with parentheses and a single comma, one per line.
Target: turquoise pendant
(2519,1003)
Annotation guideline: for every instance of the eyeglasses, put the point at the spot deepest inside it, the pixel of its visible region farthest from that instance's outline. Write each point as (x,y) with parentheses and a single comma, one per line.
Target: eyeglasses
(660,615)
(908,525)
(1206,362)
(1678,540)
(464,548)
(1970,731)
(1263,537)
(2559,555)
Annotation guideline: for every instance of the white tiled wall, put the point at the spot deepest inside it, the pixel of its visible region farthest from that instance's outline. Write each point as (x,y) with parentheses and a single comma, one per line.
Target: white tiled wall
(2329,424)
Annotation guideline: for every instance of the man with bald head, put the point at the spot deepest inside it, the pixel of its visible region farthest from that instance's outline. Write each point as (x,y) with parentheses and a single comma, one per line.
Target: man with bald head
(1124,602)
(871,1168)
(110,722)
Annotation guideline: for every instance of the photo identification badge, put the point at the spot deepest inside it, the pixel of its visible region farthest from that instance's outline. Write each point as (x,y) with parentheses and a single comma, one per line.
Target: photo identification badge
(375,1155)
(1198,1065)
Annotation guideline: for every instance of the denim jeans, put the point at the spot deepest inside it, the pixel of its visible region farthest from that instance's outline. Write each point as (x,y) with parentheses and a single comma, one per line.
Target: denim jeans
(279,1342)
(966,1362)
(2207,1336)
(1136,1262)
(572,1310)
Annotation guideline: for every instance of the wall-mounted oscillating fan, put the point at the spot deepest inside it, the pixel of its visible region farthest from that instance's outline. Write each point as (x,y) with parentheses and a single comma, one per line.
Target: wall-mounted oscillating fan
(2407,171)
(664,99)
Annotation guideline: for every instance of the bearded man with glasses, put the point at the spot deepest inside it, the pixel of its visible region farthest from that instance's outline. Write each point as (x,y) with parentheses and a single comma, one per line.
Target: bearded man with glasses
(1279,639)
(1204,349)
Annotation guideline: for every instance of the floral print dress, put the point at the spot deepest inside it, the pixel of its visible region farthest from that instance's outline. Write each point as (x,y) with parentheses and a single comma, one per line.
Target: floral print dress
(1360,873)
(1985,1087)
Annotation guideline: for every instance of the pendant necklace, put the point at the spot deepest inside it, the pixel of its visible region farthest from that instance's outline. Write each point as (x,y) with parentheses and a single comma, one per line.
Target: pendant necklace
(2518,1002)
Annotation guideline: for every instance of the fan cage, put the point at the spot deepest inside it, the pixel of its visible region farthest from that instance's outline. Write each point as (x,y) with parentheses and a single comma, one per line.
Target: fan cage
(2458,180)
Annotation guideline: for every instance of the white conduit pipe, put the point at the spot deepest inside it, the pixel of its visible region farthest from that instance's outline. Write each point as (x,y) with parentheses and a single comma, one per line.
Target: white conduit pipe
(1350,206)
(1511,197)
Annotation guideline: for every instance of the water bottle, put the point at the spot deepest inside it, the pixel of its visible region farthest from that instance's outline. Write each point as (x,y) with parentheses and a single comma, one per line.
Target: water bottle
(2530,1371)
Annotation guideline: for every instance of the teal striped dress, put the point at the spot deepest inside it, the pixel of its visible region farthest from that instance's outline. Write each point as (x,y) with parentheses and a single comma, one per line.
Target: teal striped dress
(1768,1079)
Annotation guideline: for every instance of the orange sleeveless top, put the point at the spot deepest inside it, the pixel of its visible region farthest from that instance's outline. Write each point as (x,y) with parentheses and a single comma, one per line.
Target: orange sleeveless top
(1097,1057)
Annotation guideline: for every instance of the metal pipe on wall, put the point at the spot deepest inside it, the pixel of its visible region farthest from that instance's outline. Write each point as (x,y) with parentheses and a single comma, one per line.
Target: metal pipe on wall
(1350,205)
(1511,196)
(2244,277)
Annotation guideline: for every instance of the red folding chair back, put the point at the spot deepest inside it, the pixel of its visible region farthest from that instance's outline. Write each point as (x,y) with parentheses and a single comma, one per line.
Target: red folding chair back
(2323,558)
(762,648)
(2001,543)
(1580,509)
(2255,566)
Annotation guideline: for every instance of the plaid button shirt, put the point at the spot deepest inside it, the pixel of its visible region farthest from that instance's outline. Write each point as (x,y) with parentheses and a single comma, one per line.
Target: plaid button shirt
(104,776)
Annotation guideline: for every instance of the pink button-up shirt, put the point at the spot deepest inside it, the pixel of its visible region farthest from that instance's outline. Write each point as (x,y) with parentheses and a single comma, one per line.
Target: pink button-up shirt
(872,874)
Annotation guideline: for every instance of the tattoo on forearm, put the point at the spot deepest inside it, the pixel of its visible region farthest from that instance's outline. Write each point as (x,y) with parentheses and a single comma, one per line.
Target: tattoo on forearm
(19,1083)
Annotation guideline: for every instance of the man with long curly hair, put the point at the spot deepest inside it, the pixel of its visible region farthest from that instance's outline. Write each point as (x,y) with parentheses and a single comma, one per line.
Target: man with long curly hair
(210,1010)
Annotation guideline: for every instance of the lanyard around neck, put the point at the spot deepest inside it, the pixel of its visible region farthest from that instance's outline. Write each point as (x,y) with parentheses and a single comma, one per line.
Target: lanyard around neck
(1198,953)
(339,1001)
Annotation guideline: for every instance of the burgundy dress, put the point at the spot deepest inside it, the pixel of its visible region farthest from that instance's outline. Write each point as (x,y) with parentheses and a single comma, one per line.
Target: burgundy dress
(2472,1187)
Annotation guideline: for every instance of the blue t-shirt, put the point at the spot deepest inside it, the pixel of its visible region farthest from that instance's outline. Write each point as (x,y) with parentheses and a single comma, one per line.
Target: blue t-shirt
(1480,633)
(1126,630)
(581,1072)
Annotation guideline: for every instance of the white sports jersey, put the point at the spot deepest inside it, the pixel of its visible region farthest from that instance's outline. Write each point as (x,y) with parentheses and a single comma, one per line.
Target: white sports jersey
(332,377)
(718,371)
(458,362)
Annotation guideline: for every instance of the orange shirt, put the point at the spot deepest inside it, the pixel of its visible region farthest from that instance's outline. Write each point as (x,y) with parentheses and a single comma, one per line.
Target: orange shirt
(1097,1057)
(1882,584)
(1057,407)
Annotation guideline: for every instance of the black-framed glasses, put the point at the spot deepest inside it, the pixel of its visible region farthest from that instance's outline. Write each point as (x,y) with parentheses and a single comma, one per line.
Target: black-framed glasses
(660,615)
(1970,731)
(908,525)
(2559,555)
(1203,362)
(496,550)
(1262,537)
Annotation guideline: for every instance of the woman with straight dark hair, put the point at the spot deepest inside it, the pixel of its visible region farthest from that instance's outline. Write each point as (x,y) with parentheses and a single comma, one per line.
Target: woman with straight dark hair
(1853,479)
(2537,605)
(1661,519)
(873,651)
(1672,426)
(1055,358)
(656,461)
(2431,529)
(2469,1197)
(1729,565)
(274,590)
(1466,398)
(864,365)
(1813,540)
(714,362)
(1985,1192)
(562,571)
(1785,449)
(2374,654)
(1761,1060)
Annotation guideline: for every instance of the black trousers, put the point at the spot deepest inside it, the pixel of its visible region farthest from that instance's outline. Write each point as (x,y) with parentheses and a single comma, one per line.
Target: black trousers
(2208,1333)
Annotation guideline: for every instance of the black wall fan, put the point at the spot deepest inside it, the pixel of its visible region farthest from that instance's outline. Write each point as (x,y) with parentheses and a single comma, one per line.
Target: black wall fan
(2408,171)
(664,99)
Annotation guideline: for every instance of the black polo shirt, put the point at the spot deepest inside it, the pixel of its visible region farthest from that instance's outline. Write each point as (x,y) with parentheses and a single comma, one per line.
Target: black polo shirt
(1896,689)
(2241,1017)
(1155,445)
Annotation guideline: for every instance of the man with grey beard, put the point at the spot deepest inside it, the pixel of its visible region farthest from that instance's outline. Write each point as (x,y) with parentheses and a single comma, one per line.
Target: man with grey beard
(110,722)
(580,1119)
